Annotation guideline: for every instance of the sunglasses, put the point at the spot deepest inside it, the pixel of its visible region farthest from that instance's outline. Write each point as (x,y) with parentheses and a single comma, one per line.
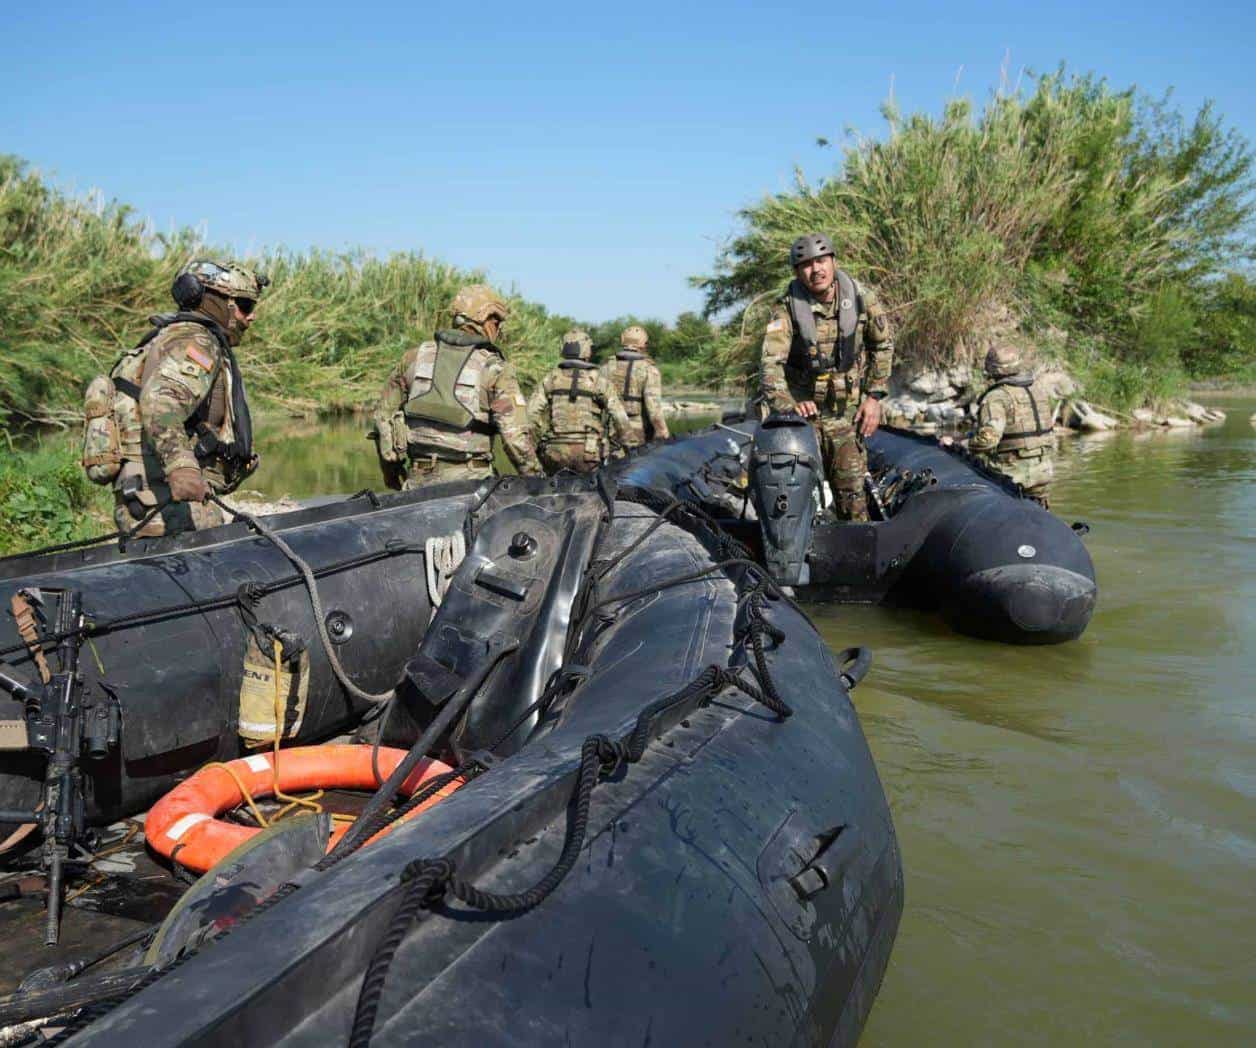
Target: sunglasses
(246,305)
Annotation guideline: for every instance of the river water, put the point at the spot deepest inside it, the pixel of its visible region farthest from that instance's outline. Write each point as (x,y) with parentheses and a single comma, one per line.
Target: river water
(1078,823)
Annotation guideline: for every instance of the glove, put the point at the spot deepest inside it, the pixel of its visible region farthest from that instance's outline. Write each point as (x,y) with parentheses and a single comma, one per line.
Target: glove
(187,484)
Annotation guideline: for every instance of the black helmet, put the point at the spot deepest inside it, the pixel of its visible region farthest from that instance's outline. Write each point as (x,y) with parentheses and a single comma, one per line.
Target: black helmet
(813,245)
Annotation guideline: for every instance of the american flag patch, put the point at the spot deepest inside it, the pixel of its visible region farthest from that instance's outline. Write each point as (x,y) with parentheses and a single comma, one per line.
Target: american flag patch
(777,325)
(197,357)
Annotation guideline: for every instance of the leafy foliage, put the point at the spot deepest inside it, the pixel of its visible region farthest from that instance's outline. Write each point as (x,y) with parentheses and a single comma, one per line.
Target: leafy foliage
(1073,207)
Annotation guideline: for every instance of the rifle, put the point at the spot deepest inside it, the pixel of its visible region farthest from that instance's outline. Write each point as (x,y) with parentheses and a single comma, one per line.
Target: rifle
(60,725)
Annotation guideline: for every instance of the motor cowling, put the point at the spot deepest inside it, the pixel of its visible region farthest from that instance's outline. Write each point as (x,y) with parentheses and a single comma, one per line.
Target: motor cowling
(784,471)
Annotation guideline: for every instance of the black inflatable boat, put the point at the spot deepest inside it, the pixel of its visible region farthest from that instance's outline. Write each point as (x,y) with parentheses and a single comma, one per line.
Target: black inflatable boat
(952,536)
(666,828)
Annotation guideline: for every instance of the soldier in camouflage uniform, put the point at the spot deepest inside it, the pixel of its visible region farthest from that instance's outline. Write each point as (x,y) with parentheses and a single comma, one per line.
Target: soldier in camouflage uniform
(575,412)
(184,424)
(827,356)
(635,377)
(1015,423)
(444,401)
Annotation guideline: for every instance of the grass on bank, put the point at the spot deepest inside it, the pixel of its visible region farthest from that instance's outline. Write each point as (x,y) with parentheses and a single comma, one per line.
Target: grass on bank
(1110,231)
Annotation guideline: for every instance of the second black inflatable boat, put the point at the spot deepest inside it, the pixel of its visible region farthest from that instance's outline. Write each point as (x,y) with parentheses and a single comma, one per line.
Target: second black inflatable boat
(952,536)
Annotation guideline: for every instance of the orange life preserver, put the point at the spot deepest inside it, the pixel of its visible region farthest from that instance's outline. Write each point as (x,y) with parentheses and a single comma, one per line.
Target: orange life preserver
(183,826)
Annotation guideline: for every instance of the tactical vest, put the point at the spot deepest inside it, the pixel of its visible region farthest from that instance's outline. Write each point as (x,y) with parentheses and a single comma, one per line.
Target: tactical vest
(573,401)
(631,393)
(1030,422)
(113,430)
(444,391)
(809,353)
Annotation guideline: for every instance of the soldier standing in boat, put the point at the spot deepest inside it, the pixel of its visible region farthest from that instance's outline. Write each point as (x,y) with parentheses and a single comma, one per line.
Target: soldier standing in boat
(444,401)
(174,411)
(636,380)
(576,415)
(827,356)
(1015,424)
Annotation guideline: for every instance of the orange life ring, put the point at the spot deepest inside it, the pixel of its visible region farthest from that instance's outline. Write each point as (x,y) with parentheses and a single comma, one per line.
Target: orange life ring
(183,825)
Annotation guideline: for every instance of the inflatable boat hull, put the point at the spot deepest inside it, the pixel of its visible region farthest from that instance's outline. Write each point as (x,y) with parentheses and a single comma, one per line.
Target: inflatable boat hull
(994,564)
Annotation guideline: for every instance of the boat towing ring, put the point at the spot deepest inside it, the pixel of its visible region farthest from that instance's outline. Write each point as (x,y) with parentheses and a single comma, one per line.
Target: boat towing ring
(184,825)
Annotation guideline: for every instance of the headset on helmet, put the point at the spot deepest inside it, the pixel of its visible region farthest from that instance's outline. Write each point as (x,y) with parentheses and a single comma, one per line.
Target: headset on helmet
(231,280)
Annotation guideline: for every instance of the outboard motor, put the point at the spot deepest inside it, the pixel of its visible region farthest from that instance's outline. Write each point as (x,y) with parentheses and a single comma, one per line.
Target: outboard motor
(784,472)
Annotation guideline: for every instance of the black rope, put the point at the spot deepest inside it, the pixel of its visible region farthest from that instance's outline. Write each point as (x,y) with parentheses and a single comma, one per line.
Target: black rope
(430,880)
(251,591)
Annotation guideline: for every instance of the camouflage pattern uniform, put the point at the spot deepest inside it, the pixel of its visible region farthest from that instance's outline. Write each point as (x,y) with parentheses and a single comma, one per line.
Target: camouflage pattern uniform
(837,394)
(575,412)
(184,380)
(635,377)
(1015,421)
(444,401)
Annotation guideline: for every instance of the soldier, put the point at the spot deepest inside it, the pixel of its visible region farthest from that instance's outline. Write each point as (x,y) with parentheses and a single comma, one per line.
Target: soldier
(1015,423)
(827,356)
(575,412)
(184,427)
(443,402)
(635,378)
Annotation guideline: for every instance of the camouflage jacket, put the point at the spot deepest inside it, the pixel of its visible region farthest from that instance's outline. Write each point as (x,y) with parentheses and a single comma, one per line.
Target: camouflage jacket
(486,387)
(575,403)
(1014,418)
(179,371)
(782,385)
(635,377)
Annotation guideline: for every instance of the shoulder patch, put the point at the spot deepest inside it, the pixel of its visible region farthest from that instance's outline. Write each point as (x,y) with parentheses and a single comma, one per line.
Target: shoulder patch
(776,324)
(197,357)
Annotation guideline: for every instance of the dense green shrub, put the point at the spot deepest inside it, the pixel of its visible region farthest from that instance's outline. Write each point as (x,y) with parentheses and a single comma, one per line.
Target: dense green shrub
(1073,207)
(45,498)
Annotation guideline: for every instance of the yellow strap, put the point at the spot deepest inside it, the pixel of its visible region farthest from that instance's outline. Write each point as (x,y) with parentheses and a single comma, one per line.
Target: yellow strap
(303,802)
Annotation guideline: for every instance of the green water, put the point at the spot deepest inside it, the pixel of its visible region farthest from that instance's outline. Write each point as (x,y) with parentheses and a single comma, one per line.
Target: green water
(1078,823)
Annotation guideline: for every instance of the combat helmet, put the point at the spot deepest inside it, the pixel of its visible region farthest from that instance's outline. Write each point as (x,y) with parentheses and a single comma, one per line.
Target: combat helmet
(228,279)
(577,345)
(476,304)
(635,337)
(812,245)
(1004,360)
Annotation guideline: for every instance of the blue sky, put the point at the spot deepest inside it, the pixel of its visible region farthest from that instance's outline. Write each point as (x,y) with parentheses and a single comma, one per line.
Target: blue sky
(592,156)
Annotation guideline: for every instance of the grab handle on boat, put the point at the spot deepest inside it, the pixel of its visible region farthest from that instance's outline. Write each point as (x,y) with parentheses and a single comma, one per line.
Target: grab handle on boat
(837,849)
(853,665)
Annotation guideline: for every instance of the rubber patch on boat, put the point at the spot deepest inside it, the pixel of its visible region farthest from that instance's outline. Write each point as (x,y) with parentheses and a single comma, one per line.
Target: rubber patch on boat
(257,762)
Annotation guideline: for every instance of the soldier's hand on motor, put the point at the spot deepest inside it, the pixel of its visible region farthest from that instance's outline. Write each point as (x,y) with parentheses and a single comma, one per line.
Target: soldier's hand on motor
(187,484)
(868,417)
(808,409)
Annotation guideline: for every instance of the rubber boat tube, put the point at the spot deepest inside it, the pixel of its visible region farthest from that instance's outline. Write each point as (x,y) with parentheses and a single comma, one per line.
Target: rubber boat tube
(968,544)
(725,890)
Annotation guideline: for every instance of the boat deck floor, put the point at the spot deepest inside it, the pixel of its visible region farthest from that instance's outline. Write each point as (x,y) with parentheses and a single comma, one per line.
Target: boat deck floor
(124,888)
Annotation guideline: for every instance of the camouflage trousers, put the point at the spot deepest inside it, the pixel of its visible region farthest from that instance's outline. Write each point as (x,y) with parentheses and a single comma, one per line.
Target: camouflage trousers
(1033,471)
(636,435)
(428,470)
(845,463)
(574,457)
(173,519)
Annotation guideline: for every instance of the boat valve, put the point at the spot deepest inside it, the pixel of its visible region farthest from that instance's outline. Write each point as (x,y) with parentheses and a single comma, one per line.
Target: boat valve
(522,545)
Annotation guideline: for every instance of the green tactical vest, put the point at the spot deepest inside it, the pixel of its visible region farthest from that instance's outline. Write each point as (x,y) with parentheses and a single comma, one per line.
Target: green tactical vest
(439,404)
(1029,423)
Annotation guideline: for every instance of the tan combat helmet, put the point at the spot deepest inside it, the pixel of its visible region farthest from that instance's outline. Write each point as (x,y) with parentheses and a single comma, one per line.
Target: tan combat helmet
(577,345)
(1004,360)
(475,304)
(635,337)
(228,279)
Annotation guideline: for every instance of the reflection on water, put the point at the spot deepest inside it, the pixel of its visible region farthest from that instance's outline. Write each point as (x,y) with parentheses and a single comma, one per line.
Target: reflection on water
(1076,821)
